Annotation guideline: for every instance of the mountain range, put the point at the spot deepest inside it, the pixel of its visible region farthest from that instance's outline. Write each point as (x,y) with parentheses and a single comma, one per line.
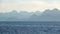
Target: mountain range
(47,15)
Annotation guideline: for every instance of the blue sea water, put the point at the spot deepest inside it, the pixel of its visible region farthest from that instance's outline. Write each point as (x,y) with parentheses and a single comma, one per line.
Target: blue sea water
(29,27)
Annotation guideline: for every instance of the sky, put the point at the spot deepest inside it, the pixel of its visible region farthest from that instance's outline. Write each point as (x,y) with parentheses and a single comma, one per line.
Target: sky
(28,5)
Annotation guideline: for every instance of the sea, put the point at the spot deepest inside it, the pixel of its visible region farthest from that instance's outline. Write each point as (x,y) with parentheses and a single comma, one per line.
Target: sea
(29,27)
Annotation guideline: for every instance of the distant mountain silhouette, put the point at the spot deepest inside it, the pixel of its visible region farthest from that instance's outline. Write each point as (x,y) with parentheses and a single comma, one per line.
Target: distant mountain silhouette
(15,16)
(35,15)
(47,15)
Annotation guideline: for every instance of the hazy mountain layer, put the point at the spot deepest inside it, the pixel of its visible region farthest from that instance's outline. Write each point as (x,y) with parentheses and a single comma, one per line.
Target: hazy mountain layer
(47,15)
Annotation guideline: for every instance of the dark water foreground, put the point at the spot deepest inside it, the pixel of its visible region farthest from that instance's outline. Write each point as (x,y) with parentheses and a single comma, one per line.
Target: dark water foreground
(24,27)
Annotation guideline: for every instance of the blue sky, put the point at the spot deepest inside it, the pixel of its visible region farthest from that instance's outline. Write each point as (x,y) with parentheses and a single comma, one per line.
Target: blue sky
(28,5)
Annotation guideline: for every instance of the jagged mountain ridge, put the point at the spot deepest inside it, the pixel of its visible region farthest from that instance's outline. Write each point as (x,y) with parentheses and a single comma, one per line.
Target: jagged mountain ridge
(47,15)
